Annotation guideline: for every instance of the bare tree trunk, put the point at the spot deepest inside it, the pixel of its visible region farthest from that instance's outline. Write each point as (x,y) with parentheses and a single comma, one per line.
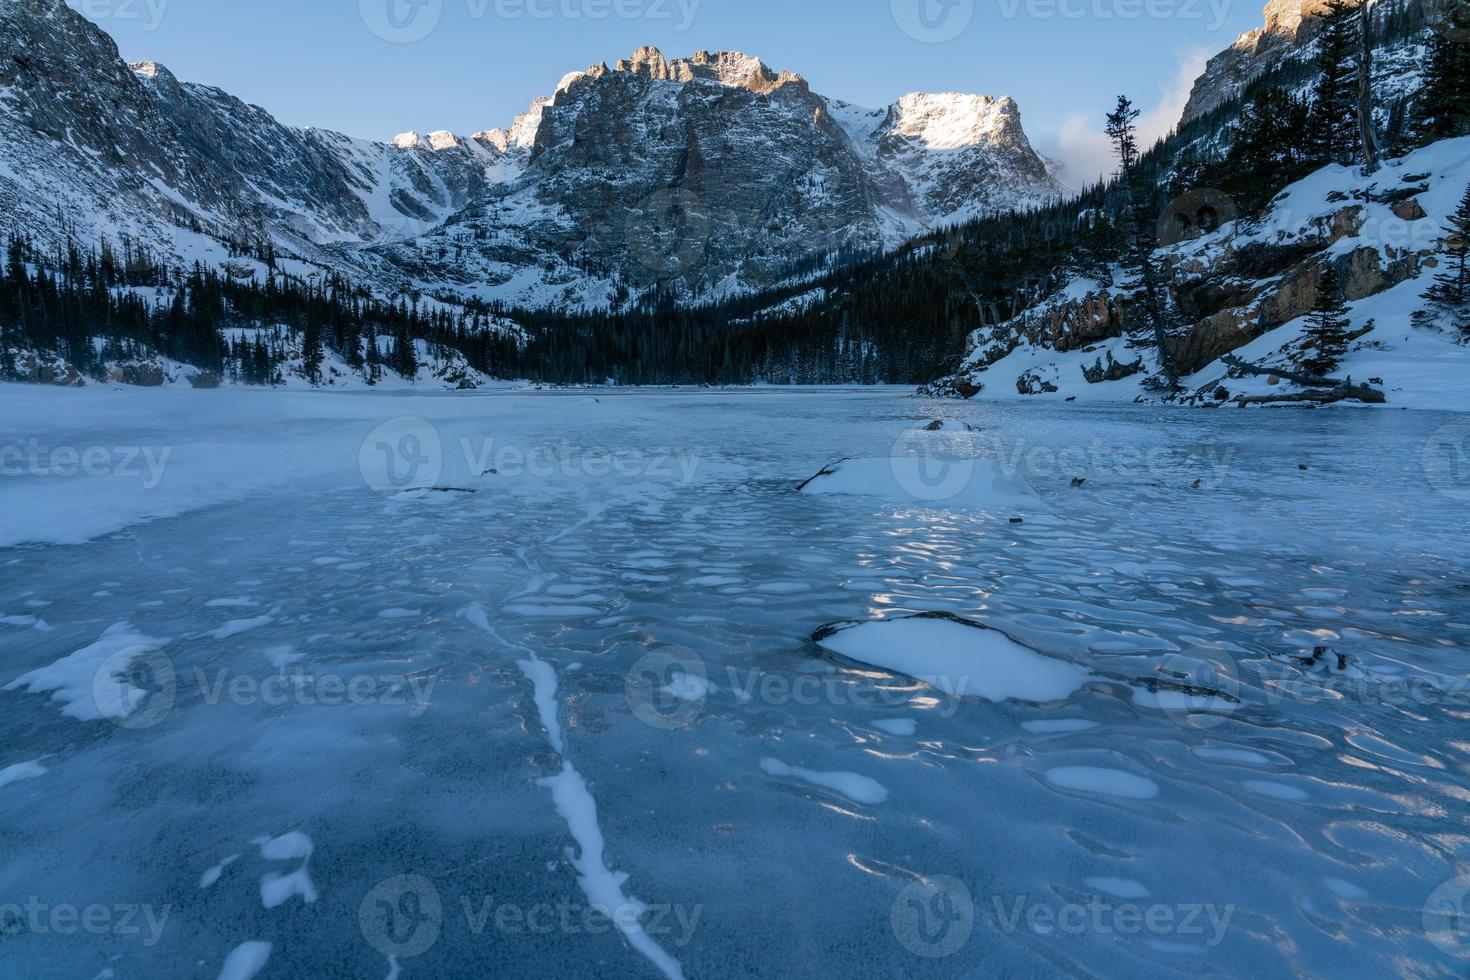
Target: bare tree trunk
(1365,91)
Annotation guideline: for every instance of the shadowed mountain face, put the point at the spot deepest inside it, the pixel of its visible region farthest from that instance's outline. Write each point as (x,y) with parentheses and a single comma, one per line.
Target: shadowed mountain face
(701,176)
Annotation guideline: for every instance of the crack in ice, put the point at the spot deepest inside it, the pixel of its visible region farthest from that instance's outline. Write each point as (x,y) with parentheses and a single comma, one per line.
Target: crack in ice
(576,805)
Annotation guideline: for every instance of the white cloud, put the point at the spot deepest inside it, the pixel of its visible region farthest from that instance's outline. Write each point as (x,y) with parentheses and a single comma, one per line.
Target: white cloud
(1085,152)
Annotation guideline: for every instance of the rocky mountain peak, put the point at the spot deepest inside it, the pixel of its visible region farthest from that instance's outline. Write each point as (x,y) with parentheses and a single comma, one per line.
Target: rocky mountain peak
(729,68)
(1289,17)
(951,120)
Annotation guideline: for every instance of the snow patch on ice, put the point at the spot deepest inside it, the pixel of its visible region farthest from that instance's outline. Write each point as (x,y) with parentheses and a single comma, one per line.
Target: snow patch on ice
(21,770)
(277,889)
(1105,782)
(237,626)
(212,875)
(1118,887)
(859,789)
(957,657)
(88,681)
(927,480)
(246,960)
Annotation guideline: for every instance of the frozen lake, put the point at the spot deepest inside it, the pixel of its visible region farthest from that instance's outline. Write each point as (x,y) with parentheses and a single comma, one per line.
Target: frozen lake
(266,711)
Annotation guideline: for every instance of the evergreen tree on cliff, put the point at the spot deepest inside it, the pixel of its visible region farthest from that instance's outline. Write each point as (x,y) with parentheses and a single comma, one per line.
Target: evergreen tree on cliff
(1447,301)
(1270,148)
(1147,281)
(1333,125)
(1327,327)
(1442,109)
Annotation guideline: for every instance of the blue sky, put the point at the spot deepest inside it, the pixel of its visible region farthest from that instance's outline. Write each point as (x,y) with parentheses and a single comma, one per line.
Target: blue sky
(378,67)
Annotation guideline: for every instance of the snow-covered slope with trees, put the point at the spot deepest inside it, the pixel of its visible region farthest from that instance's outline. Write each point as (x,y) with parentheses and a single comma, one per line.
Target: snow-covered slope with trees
(1248,290)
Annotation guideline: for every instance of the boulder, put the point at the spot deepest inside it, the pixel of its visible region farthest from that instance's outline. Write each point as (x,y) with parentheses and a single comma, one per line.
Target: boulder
(1114,371)
(1410,210)
(1032,383)
(138,375)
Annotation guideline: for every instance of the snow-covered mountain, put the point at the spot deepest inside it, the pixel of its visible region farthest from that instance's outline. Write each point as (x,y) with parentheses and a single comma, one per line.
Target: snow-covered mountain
(715,174)
(702,175)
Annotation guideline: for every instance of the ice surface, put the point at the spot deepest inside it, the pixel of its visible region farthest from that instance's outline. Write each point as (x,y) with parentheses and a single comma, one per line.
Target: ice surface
(1138,575)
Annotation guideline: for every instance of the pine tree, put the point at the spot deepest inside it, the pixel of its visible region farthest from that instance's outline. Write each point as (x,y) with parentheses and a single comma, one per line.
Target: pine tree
(405,359)
(312,354)
(1442,109)
(1327,327)
(1333,124)
(1367,126)
(1269,149)
(1147,282)
(1122,130)
(1448,299)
